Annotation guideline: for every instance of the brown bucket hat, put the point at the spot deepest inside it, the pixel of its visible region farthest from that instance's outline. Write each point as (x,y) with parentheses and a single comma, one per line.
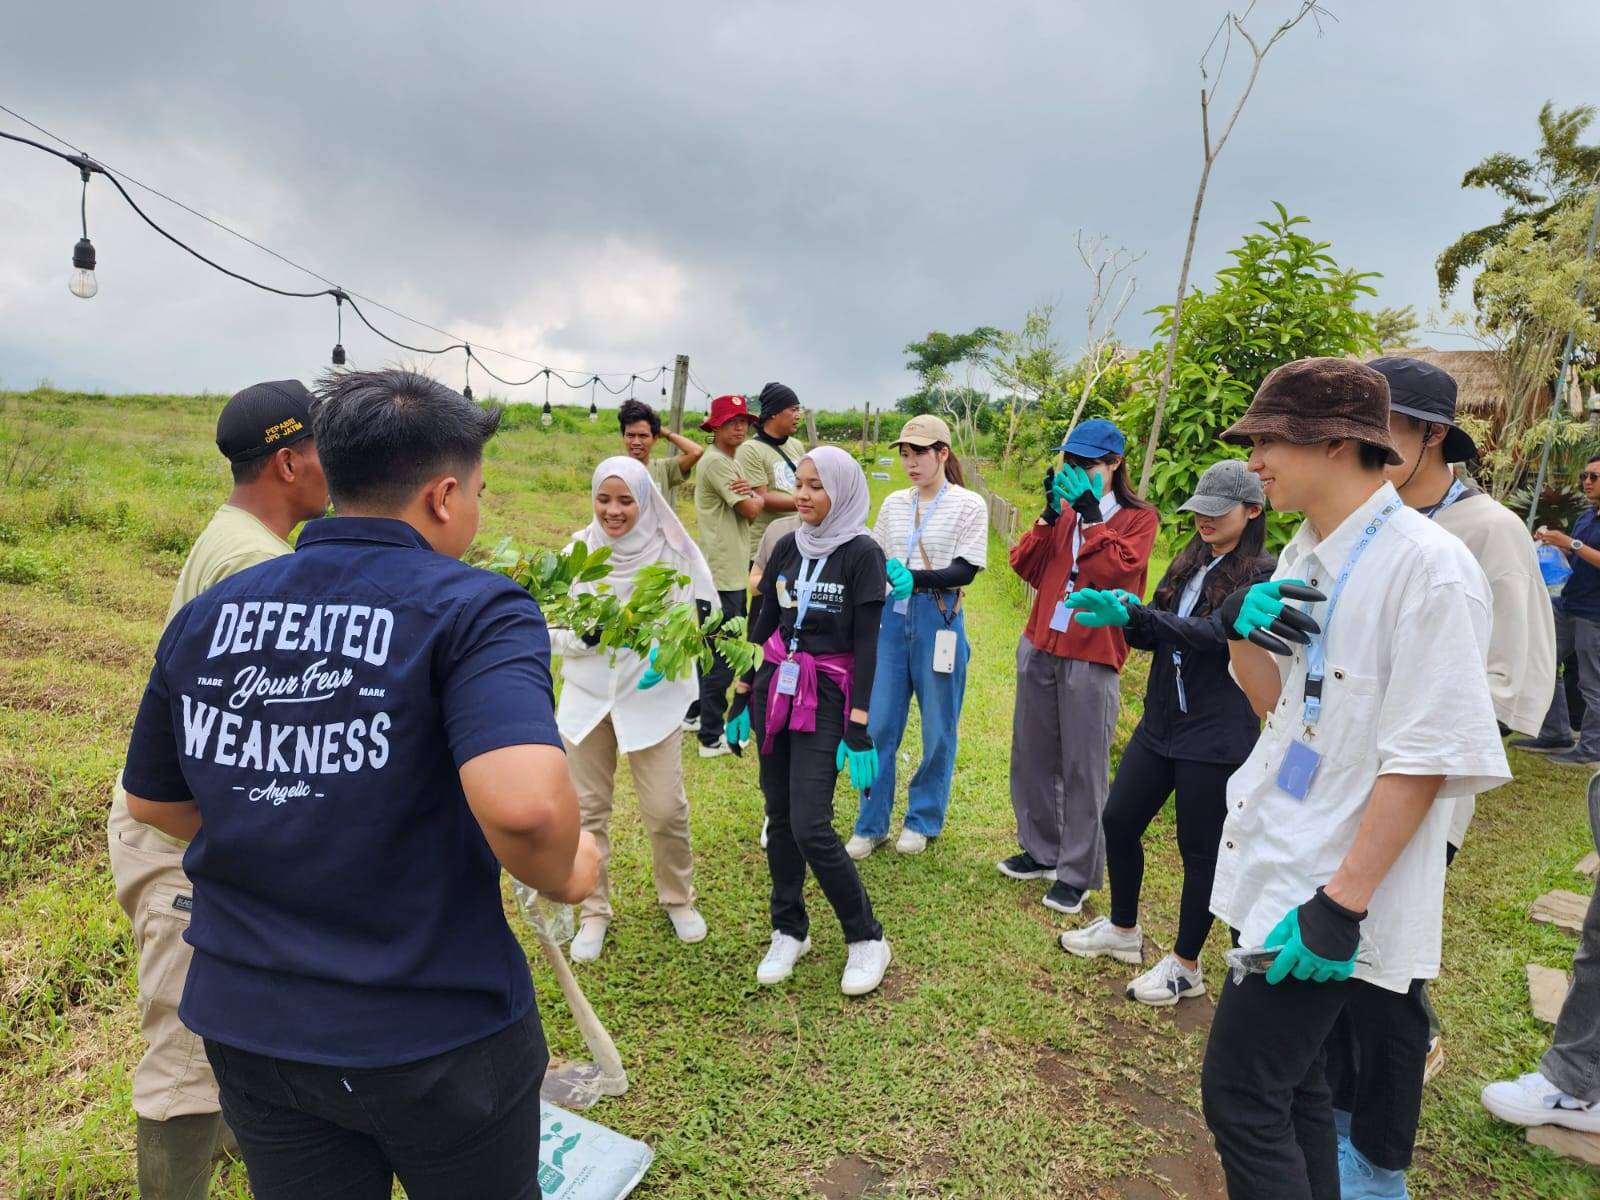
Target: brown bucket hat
(1319,400)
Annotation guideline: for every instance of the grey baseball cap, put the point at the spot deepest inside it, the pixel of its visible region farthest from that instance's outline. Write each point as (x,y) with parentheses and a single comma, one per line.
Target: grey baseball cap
(1224,484)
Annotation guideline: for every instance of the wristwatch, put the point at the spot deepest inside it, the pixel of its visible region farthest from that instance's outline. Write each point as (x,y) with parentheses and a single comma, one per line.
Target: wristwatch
(1575,546)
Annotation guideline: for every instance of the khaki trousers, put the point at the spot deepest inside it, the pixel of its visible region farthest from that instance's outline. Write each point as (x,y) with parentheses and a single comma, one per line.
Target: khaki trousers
(173,1079)
(663,807)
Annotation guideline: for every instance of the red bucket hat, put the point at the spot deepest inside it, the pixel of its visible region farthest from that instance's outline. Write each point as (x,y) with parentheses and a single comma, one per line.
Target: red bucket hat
(723,410)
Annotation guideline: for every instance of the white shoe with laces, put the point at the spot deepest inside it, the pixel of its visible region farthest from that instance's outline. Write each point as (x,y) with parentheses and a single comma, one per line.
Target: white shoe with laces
(1534,1100)
(1166,983)
(784,952)
(859,847)
(688,924)
(864,970)
(910,842)
(1100,937)
(716,750)
(590,940)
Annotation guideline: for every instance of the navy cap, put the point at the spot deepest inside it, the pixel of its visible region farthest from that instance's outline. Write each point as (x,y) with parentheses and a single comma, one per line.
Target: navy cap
(1426,393)
(1093,439)
(263,418)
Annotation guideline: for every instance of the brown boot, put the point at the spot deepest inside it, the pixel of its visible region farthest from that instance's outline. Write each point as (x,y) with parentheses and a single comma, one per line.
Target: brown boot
(175,1156)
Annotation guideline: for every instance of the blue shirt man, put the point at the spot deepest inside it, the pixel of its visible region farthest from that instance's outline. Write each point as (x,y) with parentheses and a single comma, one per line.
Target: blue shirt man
(354,739)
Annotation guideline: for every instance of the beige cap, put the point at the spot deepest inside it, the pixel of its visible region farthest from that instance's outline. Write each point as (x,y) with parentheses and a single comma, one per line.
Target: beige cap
(923,432)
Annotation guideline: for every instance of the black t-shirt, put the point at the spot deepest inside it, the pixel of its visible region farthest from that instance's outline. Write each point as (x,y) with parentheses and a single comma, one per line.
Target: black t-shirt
(845,611)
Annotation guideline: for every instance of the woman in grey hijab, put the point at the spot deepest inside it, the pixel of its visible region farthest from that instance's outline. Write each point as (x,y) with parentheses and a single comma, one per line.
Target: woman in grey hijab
(817,615)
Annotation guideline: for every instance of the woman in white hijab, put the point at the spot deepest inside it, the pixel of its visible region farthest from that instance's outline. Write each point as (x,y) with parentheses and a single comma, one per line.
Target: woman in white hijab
(602,709)
(819,606)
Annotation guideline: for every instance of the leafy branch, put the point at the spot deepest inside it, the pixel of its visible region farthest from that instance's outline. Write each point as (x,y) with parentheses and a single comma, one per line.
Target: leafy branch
(648,619)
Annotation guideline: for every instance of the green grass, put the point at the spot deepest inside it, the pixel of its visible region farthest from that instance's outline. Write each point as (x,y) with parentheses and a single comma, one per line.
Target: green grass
(990,1064)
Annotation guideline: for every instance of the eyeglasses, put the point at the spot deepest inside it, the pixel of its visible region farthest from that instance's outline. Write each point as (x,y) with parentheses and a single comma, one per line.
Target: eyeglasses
(1590,476)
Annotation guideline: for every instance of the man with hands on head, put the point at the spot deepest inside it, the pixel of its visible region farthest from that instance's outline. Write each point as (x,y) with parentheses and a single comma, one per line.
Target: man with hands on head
(355,738)
(641,430)
(1334,842)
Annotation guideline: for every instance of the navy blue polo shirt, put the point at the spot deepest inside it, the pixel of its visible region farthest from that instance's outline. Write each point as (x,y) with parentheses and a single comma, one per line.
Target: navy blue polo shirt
(1581,595)
(317,708)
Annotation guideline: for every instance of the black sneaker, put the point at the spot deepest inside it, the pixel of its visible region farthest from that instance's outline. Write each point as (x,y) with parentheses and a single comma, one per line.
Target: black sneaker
(1539,745)
(1064,898)
(1025,866)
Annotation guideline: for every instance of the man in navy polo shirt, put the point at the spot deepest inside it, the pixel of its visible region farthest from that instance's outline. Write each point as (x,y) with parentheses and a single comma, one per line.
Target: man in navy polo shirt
(355,738)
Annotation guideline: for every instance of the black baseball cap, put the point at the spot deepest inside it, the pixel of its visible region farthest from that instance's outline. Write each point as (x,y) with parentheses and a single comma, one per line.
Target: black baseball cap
(263,418)
(1427,393)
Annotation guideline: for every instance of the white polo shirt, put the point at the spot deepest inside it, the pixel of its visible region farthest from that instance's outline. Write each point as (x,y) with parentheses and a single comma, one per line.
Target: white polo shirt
(1405,693)
(958,528)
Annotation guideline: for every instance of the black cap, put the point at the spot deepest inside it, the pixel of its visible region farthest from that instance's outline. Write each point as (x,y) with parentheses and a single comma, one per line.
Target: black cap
(776,397)
(264,418)
(1426,393)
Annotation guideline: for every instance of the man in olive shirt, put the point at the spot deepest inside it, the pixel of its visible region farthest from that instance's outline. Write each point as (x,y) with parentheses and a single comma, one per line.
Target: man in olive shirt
(265,433)
(726,504)
(768,460)
(641,430)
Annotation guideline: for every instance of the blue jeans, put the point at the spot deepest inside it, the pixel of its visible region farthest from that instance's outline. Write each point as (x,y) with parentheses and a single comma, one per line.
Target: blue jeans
(905,668)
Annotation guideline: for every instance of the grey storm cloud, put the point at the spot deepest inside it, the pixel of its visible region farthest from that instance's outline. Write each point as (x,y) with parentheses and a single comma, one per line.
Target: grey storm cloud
(778,190)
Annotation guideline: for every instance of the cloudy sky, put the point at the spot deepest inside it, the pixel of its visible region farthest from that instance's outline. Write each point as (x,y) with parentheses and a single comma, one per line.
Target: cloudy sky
(780,190)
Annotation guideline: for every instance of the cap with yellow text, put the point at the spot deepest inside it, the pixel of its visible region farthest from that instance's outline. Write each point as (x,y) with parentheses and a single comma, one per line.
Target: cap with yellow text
(264,418)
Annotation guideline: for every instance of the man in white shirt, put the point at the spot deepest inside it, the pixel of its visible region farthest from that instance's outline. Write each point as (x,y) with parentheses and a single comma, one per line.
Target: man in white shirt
(1334,844)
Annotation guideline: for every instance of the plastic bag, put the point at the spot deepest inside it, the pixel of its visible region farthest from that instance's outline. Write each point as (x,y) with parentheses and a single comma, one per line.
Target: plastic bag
(552,921)
(1554,568)
(1243,960)
(580,1160)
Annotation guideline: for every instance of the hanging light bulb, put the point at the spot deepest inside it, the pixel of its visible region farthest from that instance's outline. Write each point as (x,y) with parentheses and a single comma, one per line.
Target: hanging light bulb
(338,341)
(545,418)
(83,284)
(594,413)
(466,388)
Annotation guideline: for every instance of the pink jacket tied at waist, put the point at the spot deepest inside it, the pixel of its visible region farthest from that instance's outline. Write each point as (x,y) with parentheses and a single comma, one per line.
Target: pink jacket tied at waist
(799,712)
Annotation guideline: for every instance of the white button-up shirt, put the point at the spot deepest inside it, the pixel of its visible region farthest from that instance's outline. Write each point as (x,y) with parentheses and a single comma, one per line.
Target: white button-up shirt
(1404,693)
(593,689)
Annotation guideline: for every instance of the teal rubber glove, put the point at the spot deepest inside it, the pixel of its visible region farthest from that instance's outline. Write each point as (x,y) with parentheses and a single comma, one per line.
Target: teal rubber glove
(1097,609)
(1072,483)
(899,578)
(652,676)
(1258,613)
(737,729)
(1316,942)
(857,750)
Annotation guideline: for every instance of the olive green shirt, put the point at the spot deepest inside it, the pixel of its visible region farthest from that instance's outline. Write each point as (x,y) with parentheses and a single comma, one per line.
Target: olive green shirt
(764,467)
(724,534)
(668,475)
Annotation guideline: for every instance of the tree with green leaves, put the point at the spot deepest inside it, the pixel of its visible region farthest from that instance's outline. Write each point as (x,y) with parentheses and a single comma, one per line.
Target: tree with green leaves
(1284,297)
(933,360)
(1393,327)
(1028,362)
(1534,188)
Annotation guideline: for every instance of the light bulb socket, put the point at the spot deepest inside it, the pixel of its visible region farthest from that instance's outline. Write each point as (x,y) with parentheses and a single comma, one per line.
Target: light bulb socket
(466,392)
(547,408)
(338,355)
(83,255)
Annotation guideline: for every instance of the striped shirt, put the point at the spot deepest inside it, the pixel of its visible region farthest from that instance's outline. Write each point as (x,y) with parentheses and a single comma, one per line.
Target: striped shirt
(958,528)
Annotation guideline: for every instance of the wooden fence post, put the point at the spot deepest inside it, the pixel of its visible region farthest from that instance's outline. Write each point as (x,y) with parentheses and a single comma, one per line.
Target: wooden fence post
(680,383)
(811,428)
(866,421)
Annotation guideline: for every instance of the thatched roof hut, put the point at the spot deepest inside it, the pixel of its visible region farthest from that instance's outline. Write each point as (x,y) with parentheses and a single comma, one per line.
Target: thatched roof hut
(1478,391)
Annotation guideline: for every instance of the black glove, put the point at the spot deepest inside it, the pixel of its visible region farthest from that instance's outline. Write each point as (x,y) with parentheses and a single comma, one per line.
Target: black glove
(1257,612)
(856,736)
(1330,930)
(1051,514)
(1087,506)
(741,704)
(592,638)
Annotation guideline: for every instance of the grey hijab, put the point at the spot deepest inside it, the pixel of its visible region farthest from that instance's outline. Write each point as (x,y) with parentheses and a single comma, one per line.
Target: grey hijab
(846,485)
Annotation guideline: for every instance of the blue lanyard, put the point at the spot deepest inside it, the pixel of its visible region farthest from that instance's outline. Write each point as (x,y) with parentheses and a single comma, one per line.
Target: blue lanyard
(1316,655)
(914,532)
(1186,605)
(1457,490)
(804,586)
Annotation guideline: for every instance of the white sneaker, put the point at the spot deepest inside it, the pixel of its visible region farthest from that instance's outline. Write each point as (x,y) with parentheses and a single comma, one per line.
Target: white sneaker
(784,952)
(691,724)
(1166,983)
(590,940)
(689,925)
(1534,1100)
(765,822)
(1100,936)
(864,969)
(859,847)
(717,750)
(910,842)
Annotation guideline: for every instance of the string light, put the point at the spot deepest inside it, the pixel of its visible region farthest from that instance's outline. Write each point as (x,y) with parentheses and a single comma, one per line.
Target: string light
(338,341)
(83,284)
(545,418)
(594,413)
(466,388)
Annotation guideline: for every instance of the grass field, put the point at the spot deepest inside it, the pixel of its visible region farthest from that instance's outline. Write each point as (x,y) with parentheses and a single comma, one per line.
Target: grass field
(989,1065)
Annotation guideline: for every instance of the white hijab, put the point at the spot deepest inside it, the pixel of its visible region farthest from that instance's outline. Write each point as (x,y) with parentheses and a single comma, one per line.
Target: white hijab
(846,485)
(657,536)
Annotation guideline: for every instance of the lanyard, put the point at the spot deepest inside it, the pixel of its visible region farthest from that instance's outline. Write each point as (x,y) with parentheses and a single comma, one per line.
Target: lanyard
(804,586)
(1316,656)
(1457,490)
(914,531)
(1186,605)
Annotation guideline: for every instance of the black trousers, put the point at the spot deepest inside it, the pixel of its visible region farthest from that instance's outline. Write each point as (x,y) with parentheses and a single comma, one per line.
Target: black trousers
(1376,1058)
(1144,781)
(797,781)
(462,1123)
(1264,1090)
(714,684)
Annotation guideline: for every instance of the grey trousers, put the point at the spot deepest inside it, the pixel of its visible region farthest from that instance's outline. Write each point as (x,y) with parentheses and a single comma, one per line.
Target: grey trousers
(1573,1061)
(1061,730)
(1576,635)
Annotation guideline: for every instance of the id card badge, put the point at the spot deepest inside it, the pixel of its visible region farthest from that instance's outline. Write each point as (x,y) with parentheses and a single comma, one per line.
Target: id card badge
(944,651)
(1061,618)
(788,678)
(902,607)
(1299,767)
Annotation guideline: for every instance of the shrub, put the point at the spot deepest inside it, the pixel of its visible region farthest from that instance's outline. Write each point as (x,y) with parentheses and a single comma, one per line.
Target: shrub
(24,565)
